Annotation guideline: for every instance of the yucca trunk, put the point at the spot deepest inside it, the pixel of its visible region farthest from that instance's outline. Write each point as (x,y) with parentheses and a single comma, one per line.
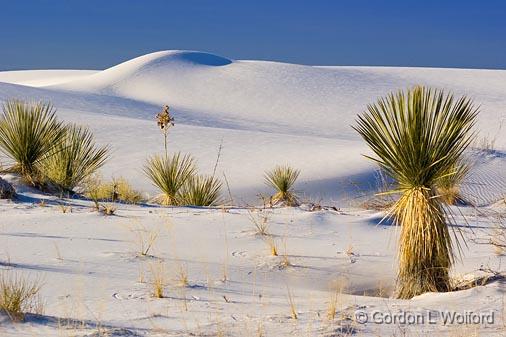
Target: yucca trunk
(425,254)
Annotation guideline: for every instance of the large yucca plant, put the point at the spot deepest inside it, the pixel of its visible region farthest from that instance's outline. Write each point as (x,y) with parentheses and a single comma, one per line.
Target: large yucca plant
(28,132)
(169,174)
(418,136)
(75,158)
(201,191)
(282,179)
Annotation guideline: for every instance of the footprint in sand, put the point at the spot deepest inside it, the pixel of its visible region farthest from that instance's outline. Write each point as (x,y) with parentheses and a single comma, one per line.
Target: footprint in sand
(239,254)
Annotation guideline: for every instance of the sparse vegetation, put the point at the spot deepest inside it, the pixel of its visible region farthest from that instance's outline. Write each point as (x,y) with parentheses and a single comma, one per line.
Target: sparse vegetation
(107,209)
(124,192)
(76,157)
(116,190)
(293,308)
(18,295)
(64,208)
(182,276)
(145,239)
(29,132)
(418,137)
(158,281)
(200,191)
(261,223)
(273,248)
(170,174)
(282,179)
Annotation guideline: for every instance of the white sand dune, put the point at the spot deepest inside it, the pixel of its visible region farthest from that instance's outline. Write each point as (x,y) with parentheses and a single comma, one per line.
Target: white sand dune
(40,78)
(262,114)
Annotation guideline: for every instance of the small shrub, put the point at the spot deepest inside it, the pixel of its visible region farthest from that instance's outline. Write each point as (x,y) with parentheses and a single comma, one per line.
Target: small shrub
(261,223)
(108,209)
(64,208)
(92,190)
(200,191)
(76,157)
(18,296)
(169,174)
(182,276)
(282,179)
(145,239)
(125,192)
(116,190)
(158,282)
(28,133)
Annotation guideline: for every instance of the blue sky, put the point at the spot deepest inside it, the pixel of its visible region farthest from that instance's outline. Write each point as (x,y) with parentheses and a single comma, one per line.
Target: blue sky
(96,34)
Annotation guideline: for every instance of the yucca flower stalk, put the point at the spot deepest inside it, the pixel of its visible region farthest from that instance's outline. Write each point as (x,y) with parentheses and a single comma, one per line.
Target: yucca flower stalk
(282,179)
(169,174)
(418,136)
(164,121)
(76,157)
(201,190)
(28,132)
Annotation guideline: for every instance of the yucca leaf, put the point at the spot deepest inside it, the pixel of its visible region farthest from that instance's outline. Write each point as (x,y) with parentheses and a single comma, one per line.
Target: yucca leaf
(28,132)
(75,158)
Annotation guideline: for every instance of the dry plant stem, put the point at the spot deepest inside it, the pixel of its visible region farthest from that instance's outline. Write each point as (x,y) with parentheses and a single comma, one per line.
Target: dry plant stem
(293,309)
(158,272)
(272,245)
(425,244)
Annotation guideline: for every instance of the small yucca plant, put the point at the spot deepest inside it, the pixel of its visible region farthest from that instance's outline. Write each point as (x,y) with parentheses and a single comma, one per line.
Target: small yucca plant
(201,191)
(419,138)
(169,174)
(282,179)
(75,159)
(28,132)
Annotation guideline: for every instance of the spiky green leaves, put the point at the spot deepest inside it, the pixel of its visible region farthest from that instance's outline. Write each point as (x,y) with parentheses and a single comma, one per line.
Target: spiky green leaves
(176,176)
(418,138)
(28,133)
(43,149)
(201,191)
(282,179)
(169,174)
(418,135)
(75,158)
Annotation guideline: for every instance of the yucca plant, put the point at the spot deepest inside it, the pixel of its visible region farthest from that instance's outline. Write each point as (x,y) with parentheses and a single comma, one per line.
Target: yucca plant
(282,179)
(169,174)
(418,136)
(75,158)
(448,187)
(201,191)
(28,132)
